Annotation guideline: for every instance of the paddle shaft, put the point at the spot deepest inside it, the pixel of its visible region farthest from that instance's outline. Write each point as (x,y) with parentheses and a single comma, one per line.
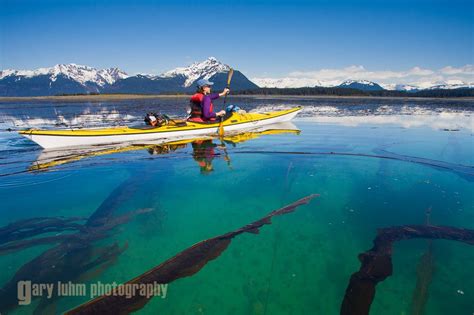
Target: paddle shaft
(229,78)
(221,126)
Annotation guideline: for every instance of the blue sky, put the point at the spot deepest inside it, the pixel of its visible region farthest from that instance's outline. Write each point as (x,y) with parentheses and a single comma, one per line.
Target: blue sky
(261,38)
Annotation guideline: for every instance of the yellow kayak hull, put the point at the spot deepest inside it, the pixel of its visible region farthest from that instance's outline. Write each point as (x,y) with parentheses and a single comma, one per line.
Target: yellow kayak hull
(50,139)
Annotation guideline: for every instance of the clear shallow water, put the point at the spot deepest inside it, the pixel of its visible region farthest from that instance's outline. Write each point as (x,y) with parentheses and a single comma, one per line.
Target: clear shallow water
(301,264)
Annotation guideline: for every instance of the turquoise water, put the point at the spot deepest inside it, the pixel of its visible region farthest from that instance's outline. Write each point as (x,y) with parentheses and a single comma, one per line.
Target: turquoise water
(302,262)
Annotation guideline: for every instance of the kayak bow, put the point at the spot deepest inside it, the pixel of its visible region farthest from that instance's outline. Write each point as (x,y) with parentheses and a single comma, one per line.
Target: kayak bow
(51,139)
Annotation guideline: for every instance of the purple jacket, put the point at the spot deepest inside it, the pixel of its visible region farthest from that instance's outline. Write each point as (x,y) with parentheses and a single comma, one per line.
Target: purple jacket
(206,105)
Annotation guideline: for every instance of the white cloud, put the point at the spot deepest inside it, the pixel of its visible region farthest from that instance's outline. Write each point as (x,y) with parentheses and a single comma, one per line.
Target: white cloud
(415,76)
(419,71)
(467,69)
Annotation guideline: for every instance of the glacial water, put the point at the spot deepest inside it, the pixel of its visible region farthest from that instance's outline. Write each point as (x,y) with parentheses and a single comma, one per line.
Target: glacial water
(375,163)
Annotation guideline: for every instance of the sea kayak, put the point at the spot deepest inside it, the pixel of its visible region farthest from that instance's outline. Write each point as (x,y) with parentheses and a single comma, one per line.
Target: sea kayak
(52,139)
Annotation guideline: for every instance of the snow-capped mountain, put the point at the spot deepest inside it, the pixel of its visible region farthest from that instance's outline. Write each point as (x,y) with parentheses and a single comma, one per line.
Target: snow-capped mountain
(362,85)
(77,79)
(287,82)
(78,73)
(443,85)
(400,87)
(198,70)
(183,79)
(450,85)
(365,85)
(364,82)
(293,82)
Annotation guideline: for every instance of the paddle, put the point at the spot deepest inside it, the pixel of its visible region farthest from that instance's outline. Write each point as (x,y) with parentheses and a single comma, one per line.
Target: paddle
(221,123)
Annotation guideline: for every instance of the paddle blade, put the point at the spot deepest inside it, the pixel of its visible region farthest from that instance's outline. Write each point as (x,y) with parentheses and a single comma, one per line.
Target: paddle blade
(221,129)
(229,76)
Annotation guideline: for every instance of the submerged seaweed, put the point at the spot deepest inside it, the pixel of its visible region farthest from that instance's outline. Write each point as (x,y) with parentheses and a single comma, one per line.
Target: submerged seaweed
(76,254)
(184,264)
(376,263)
(424,275)
(34,226)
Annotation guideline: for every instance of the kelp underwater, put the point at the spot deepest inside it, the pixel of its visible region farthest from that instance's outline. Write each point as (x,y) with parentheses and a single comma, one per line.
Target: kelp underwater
(83,247)
(76,254)
(73,257)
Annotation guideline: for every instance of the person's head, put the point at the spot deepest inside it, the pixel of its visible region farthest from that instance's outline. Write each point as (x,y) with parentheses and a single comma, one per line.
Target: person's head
(204,86)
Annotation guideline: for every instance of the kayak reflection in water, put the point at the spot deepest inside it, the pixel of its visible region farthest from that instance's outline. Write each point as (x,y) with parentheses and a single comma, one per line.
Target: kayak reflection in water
(164,149)
(204,153)
(203,148)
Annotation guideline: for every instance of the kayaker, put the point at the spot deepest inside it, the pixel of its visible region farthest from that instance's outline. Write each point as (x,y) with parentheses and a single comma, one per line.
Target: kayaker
(202,109)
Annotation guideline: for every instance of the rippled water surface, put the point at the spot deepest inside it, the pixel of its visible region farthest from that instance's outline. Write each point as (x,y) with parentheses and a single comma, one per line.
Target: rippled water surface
(375,163)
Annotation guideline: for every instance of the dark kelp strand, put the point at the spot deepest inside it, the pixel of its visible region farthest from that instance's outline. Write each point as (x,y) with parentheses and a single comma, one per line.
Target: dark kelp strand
(184,264)
(376,263)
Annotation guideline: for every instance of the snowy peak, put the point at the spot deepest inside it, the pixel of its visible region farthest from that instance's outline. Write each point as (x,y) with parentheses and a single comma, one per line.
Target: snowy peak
(400,87)
(362,85)
(364,82)
(365,85)
(284,83)
(198,70)
(450,85)
(78,79)
(115,74)
(85,74)
(78,73)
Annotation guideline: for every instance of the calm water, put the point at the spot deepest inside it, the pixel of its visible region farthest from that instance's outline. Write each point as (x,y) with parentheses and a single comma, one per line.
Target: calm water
(302,262)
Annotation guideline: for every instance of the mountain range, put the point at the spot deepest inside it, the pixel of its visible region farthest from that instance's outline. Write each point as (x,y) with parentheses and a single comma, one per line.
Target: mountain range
(363,85)
(78,79)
